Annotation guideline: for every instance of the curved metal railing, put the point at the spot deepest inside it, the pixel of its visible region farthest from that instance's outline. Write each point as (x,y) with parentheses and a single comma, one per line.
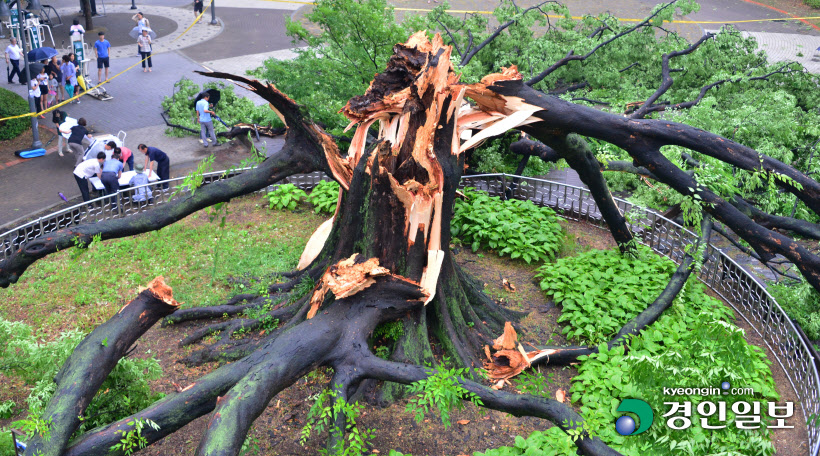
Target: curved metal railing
(719,272)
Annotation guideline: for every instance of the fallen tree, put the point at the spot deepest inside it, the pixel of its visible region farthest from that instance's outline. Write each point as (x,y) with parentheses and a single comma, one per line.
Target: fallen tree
(384,256)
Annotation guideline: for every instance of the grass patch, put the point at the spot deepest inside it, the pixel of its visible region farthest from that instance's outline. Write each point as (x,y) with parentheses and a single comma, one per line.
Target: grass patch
(81,288)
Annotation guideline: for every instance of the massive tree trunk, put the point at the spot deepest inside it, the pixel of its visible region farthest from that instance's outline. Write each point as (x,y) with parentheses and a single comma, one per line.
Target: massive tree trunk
(384,256)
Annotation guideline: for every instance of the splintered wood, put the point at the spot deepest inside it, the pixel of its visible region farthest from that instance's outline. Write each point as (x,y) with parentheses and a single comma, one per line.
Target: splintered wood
(510,359)
(423,113)
(345,279)
(160,289)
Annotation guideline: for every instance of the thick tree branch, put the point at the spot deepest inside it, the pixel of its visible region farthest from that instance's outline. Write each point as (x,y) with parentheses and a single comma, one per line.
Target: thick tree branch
(801,227)
(562,117)
(578,155)
(85,370)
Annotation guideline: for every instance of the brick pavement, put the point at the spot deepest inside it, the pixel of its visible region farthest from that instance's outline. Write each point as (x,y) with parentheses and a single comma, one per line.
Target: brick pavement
(256,25)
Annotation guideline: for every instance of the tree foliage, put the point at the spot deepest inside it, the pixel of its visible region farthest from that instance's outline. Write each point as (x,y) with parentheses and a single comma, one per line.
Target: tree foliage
(231,108)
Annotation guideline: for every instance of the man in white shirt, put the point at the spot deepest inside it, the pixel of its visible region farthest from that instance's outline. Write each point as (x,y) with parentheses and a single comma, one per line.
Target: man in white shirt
(13,56)
(87,169)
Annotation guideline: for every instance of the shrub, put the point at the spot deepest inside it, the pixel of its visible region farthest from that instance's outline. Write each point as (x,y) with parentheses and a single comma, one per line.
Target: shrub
(324,196)
(12,104)
(516,228)
(286,196)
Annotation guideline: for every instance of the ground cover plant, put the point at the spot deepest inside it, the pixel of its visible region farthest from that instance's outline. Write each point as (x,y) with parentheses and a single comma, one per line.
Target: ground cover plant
(516,228)
(386,257)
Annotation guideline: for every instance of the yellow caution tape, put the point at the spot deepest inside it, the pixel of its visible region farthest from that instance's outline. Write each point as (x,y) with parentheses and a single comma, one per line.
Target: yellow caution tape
(621,19)
(78,96)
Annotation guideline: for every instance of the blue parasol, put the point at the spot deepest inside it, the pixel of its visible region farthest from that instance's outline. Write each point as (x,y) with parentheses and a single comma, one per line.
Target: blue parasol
(42,53)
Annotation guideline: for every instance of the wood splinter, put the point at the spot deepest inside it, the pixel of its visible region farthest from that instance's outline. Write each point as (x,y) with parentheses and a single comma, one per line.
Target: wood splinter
(510,359)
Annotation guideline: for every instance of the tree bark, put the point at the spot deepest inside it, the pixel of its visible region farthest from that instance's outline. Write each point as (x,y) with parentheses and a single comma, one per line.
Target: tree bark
(89,21)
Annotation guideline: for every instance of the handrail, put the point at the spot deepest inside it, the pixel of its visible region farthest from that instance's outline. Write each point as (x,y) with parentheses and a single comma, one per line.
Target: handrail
(719,272)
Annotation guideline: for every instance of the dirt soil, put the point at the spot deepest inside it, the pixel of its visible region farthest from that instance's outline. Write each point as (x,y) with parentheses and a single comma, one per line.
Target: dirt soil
(277,431)
(8,147)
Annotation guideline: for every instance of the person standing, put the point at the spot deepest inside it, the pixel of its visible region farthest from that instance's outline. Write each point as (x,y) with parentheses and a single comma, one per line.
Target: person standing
(110,176)
(206,126)
(144,44)
(142,24)
(79,135)
(54,67)
(69,76)
(42,82)
(154,155)
(13,56)
(86,169)
(72,58)
(59,118)
(52,89)
(101,48)
(198,4)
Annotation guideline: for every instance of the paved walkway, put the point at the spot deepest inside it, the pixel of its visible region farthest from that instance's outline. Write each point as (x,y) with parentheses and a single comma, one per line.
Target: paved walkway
(246,28)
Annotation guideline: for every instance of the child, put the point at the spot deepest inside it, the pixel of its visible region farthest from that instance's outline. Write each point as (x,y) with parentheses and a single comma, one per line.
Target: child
(76,29)
(42,81)
(52,88)
(141,194)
